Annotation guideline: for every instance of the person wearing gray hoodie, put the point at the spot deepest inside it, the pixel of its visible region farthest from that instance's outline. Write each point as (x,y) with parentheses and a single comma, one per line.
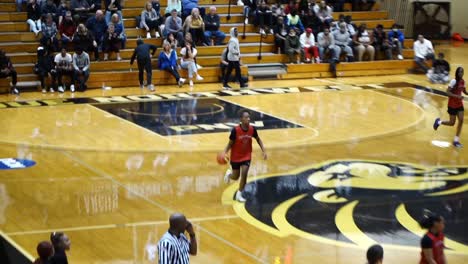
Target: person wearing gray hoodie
(233,57)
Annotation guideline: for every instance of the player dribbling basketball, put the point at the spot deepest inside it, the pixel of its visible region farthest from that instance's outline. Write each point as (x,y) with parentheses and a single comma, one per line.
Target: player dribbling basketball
(455,105)
(240,144)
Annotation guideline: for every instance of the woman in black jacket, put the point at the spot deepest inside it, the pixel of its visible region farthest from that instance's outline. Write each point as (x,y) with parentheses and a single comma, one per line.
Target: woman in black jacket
(44,68)
(34,17)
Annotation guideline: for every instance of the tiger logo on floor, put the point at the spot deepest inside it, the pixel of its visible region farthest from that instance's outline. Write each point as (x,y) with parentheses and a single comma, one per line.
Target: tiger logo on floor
(357,203)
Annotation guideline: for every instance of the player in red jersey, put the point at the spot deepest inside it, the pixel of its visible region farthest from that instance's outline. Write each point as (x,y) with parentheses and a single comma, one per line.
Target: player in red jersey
(432,243)
(455,105)
(240,144)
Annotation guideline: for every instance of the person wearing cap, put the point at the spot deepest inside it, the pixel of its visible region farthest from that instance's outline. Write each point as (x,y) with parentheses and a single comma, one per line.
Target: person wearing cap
(44,68)
(307,40)
(142,55)
(81,65)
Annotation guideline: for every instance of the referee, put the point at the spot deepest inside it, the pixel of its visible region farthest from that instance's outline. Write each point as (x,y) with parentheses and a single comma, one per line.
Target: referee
(174,247)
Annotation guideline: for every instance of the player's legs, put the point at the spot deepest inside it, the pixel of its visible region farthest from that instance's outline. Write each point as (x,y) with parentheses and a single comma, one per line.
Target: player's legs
(451,122)
(235,174)
(243,176)
(460,116)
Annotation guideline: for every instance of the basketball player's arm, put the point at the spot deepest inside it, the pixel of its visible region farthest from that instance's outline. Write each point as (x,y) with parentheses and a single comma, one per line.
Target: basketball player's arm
(260,143)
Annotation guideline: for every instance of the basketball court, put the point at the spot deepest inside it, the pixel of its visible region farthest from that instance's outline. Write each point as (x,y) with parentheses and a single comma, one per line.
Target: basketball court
(351,162)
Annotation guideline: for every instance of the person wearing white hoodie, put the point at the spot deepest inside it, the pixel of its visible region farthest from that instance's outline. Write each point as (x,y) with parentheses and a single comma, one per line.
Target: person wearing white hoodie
(233,57)
(307,40)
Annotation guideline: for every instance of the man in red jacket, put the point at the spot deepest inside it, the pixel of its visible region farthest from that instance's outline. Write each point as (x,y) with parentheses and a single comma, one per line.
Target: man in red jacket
(240,144)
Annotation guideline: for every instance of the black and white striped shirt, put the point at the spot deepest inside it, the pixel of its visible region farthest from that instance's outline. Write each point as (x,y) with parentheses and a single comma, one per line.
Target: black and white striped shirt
(173,249)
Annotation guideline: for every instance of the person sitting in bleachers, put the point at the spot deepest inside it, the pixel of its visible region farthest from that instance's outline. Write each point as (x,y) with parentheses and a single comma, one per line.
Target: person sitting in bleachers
(188,6)
(113,7)
(326,45)
(324,12)
(264,17)
(34,17)
(363,42)
(293,47)
(381,42)
(195,25)
(49,34)
(174,26)
(50,8)
(423,51)
(94,5)
(349,26)
(212,23)
(156,6)
(81,65)
(62,10)
(173,5)
(112,43)
(311,20)
(98,27)
(167,61)
(84,40)
(292,5)
(294,21)
(281,32)
(119,28)
(7,70)
(45,68)
(440,70)
(188,62)
(396,39)
(343,40)
(249,8)
(172,41)
(80,8)
(150,20)
(67,29)
(308,46)
(63,66)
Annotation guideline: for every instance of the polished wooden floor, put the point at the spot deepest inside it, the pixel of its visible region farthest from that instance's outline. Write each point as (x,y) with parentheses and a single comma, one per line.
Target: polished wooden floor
(111,184)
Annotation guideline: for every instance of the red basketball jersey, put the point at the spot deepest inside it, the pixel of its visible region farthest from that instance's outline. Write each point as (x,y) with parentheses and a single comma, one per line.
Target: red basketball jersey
(241,150)
(437,249)
(455,102)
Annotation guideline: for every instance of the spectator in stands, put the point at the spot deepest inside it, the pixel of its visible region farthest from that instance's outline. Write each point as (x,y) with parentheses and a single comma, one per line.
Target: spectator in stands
(61,243)
(49,34)
(84,40)
(375,254)
(45,251)
(150,20)
(19,5)
(396,39)
(98,27)
(7,70)
(303,7)
(381,42)
(168,62)
(293,47)
(342,41)
(112,43)
(277,11)
(62,10)
(187,61)
(324,12)
(212,23)
(363,42)
(50,8)
(45,68)
(223,65)
(292,5)
(440,70)
(432,243)
(281,32)
(423,51)
(67,29)
(294,21)
(349,26)
(81,65)
(142,54)
(363,5)
(173,5)
(264,17)
(119,28)
(311,20)
(156,6)
(233,57)
(63,66)
(326,45)
(195,25)
(307,41)
(94,5)
(172,41)
(174,26)
(113,7)
(338,5)
(34,17)
(80,8)
(249,8)
(188,6)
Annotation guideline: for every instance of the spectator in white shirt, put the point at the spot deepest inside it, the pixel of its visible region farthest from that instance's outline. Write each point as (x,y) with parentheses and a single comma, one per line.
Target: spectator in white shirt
(307,40)
(324,12)
(423,51)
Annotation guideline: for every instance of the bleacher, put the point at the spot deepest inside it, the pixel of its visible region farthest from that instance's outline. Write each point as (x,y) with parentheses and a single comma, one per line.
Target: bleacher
(21,45)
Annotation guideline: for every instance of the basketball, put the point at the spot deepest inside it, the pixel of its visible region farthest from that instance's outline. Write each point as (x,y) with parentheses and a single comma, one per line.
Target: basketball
(221,159)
